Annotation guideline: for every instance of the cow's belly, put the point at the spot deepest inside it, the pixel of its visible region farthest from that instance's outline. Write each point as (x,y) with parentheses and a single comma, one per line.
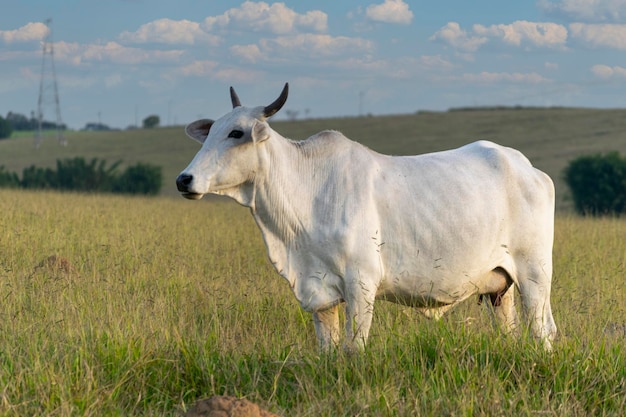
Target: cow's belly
(420,300)
(428,295)
(442,290)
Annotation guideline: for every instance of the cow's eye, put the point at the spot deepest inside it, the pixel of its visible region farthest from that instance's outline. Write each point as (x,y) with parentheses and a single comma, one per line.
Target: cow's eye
(237,134)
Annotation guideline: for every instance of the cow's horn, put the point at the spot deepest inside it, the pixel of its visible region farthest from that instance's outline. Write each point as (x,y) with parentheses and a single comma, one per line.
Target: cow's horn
(234,98)
(278,104)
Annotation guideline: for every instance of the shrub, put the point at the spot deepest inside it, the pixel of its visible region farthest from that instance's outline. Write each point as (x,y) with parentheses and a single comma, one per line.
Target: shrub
(140,179)
(38,178)
(598,184)
(6,128)
(8,179)
(151,121)
(78,175)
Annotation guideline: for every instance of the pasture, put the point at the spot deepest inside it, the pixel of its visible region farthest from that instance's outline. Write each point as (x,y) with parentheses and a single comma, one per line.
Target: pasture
(149,304)
(163,301)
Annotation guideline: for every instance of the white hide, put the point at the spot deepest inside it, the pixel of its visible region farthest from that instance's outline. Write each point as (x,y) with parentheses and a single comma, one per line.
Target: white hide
(345,224)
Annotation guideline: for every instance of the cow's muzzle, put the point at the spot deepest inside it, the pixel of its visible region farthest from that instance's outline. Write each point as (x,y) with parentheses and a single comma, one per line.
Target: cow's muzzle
(182,183)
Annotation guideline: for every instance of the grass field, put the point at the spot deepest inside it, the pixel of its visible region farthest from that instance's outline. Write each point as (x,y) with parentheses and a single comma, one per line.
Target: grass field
(549,137)
(157,302)
(152,303)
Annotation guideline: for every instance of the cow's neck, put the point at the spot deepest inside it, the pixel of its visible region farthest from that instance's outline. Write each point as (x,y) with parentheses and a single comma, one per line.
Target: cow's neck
(278,202)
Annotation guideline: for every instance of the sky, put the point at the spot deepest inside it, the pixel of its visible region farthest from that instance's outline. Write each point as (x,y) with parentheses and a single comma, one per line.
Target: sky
(119,61)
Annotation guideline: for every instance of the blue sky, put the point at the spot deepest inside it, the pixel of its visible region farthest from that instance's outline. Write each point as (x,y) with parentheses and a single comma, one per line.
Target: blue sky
(119,61)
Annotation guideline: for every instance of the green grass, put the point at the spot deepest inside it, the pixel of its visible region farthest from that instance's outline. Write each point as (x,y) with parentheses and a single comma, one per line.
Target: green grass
(549,137)
(169,301)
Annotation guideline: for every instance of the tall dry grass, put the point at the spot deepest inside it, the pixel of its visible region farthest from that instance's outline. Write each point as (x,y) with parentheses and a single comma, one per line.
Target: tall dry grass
(152,303)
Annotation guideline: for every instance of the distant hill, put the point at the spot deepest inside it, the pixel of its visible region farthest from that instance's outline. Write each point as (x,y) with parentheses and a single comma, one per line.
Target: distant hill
(550,137)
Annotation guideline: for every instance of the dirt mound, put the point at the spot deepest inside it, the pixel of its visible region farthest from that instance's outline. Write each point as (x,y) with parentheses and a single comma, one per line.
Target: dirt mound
(56,264)
(223,406)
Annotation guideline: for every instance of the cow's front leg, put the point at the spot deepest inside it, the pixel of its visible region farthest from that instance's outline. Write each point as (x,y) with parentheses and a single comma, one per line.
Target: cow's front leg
(327,328)
(359,313)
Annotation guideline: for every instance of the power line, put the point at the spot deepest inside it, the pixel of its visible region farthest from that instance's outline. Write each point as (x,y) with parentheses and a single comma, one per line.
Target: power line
(48,89)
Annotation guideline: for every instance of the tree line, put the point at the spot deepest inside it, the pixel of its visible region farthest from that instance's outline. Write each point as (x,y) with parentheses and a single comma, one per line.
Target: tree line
(19,122)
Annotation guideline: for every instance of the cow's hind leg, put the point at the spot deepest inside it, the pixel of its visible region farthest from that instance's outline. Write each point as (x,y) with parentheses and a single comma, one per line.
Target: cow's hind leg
(503,300)
(503,311)
(534,285)
(327,328)
(499,296)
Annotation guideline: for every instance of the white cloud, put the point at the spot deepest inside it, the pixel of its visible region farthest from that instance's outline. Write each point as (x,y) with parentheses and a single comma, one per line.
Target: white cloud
(28,32)
(170,32)
(198,68)
(249,53)
(606,72)
(587,10)
(520,32)
(498,77)
(391,11)
(411,68)
(384,69)
(79,54)
(233,74)
(315,20)
(316,45)
(214,70)
(305,45)
(453,35)
(380,69)
(364,64)
(600,35)
(17,56)
(113,80)
(435,62)
(262,17)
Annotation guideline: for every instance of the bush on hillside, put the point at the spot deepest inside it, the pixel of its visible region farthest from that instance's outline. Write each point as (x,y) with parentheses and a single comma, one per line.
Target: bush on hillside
(139,179)
(38,178)
(151,121)
(598,184)
(8,179)
(6,128)
(78,175)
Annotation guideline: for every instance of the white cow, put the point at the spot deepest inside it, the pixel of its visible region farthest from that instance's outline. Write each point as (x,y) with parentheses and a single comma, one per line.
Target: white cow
(344,224)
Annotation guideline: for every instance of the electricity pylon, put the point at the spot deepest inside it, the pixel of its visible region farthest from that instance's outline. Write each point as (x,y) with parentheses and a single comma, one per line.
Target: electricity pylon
(48,89)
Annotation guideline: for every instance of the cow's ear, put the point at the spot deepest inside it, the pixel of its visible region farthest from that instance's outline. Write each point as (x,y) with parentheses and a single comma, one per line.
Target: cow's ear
(260,131)
(199,129)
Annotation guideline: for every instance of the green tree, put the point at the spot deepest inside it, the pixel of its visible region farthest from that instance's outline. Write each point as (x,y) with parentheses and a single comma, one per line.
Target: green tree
(6,128)
(79,175)
(151,121)
(8,179)
(598,183)
(38,178)
(21,122)
(140,179)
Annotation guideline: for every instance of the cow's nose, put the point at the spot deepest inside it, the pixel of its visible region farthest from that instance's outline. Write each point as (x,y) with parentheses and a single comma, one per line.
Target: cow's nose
(183,181)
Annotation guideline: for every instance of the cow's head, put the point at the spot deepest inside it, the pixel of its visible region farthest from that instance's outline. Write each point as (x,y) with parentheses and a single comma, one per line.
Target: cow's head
(229,156)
